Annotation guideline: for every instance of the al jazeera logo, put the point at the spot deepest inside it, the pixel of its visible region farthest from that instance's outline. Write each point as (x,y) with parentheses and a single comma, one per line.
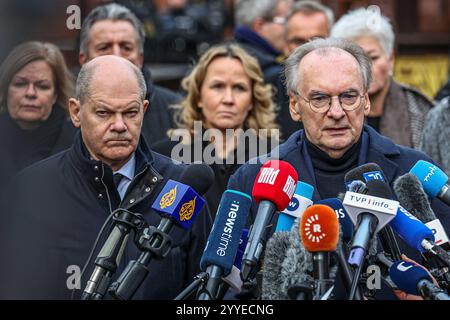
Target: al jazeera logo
(168,199)
(187,210)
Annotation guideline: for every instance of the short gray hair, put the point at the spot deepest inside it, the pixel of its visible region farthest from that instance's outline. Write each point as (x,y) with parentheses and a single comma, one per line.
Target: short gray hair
(292,63)
(312,7)
(363,22)
(82,89)
(246,11)
(115,12)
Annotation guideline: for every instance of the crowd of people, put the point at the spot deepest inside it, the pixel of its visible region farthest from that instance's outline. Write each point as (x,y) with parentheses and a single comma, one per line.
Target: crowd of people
(318,93)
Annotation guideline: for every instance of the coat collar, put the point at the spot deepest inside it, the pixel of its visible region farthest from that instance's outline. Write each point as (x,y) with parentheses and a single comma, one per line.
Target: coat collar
(82,160)
(381,150)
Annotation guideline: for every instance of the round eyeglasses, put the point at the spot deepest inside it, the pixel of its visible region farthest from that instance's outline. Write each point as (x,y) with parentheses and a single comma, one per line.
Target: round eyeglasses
(321,103)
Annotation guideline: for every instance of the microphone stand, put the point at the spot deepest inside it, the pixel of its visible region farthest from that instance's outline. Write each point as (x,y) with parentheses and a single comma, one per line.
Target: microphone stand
(199,280)
(155,243)
(356,277)
(109,256)
(345,270)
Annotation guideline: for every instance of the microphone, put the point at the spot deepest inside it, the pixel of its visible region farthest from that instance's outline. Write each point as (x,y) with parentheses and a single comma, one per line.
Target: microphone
(346,228)
(178,204)
(274,256)
(409,228)
(369,214)
(365,173)
(299,202)
(433,180)
(319,231)
(415,280)
(295,279)
(411,195)
(344,221)
(223,240)
(273,189)
(240,252)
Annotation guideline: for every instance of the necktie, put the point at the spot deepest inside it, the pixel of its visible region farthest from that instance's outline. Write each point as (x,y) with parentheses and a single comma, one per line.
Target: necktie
(117,177)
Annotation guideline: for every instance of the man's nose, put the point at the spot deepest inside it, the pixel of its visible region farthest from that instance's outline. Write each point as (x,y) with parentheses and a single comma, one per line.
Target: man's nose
(336,110)
(116,50)
(119,124)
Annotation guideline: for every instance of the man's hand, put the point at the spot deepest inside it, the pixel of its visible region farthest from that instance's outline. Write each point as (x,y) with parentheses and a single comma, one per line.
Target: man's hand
(406,296)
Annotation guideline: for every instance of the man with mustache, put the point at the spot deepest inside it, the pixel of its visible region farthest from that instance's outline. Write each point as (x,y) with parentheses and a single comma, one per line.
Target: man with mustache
(58,206)
(327,82)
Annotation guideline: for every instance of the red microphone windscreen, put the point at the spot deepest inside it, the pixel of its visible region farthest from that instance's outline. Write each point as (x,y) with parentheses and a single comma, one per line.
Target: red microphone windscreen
(319,228)
(275,182)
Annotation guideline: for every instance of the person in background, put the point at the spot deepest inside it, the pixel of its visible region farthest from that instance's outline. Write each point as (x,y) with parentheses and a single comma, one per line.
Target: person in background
(397,111)
(307,20)
(225,90)
(35,85)
(436,132)
(261,31)
(114,29)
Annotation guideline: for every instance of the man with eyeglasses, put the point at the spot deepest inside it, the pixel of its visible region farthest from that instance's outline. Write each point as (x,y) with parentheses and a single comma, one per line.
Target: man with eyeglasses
(260,30)
(307,20)
(327,81)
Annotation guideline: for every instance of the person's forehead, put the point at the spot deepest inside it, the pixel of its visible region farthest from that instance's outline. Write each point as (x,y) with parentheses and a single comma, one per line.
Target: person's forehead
(110,72)
(334,67)
(306,18)
(35,69)
(118,29)
(328,56)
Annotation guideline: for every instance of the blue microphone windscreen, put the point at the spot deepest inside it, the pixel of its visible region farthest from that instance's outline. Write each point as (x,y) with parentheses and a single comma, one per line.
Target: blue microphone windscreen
(411,229)
(224,239)
(430,176)
(305,190)
(407,276)
(241,249)
(344,220)
(179,202)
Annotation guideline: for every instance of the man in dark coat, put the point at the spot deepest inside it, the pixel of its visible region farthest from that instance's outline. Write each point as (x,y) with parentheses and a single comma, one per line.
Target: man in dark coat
(58,206)
(114,29)
(261,32)
(328,81)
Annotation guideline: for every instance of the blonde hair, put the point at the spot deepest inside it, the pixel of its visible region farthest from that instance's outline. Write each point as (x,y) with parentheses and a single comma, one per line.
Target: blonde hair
(262,115)
(28,52)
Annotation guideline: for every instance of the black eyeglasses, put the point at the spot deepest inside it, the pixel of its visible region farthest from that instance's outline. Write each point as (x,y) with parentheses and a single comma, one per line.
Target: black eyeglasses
(321,103)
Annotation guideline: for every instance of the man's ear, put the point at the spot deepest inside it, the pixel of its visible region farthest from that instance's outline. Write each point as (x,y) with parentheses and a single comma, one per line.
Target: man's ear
(146,104)
(366,104)
(141,60)
(74,110)
(294,108)
(82,58)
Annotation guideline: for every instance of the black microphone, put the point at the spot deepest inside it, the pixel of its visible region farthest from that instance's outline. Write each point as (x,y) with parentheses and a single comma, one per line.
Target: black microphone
(111,253)
(178,204)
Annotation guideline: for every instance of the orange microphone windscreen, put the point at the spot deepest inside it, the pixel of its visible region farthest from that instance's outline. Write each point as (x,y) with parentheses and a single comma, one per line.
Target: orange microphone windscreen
(319,228)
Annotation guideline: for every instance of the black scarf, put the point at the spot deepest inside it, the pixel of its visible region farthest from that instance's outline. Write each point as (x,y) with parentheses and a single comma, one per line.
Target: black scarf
(24,147)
